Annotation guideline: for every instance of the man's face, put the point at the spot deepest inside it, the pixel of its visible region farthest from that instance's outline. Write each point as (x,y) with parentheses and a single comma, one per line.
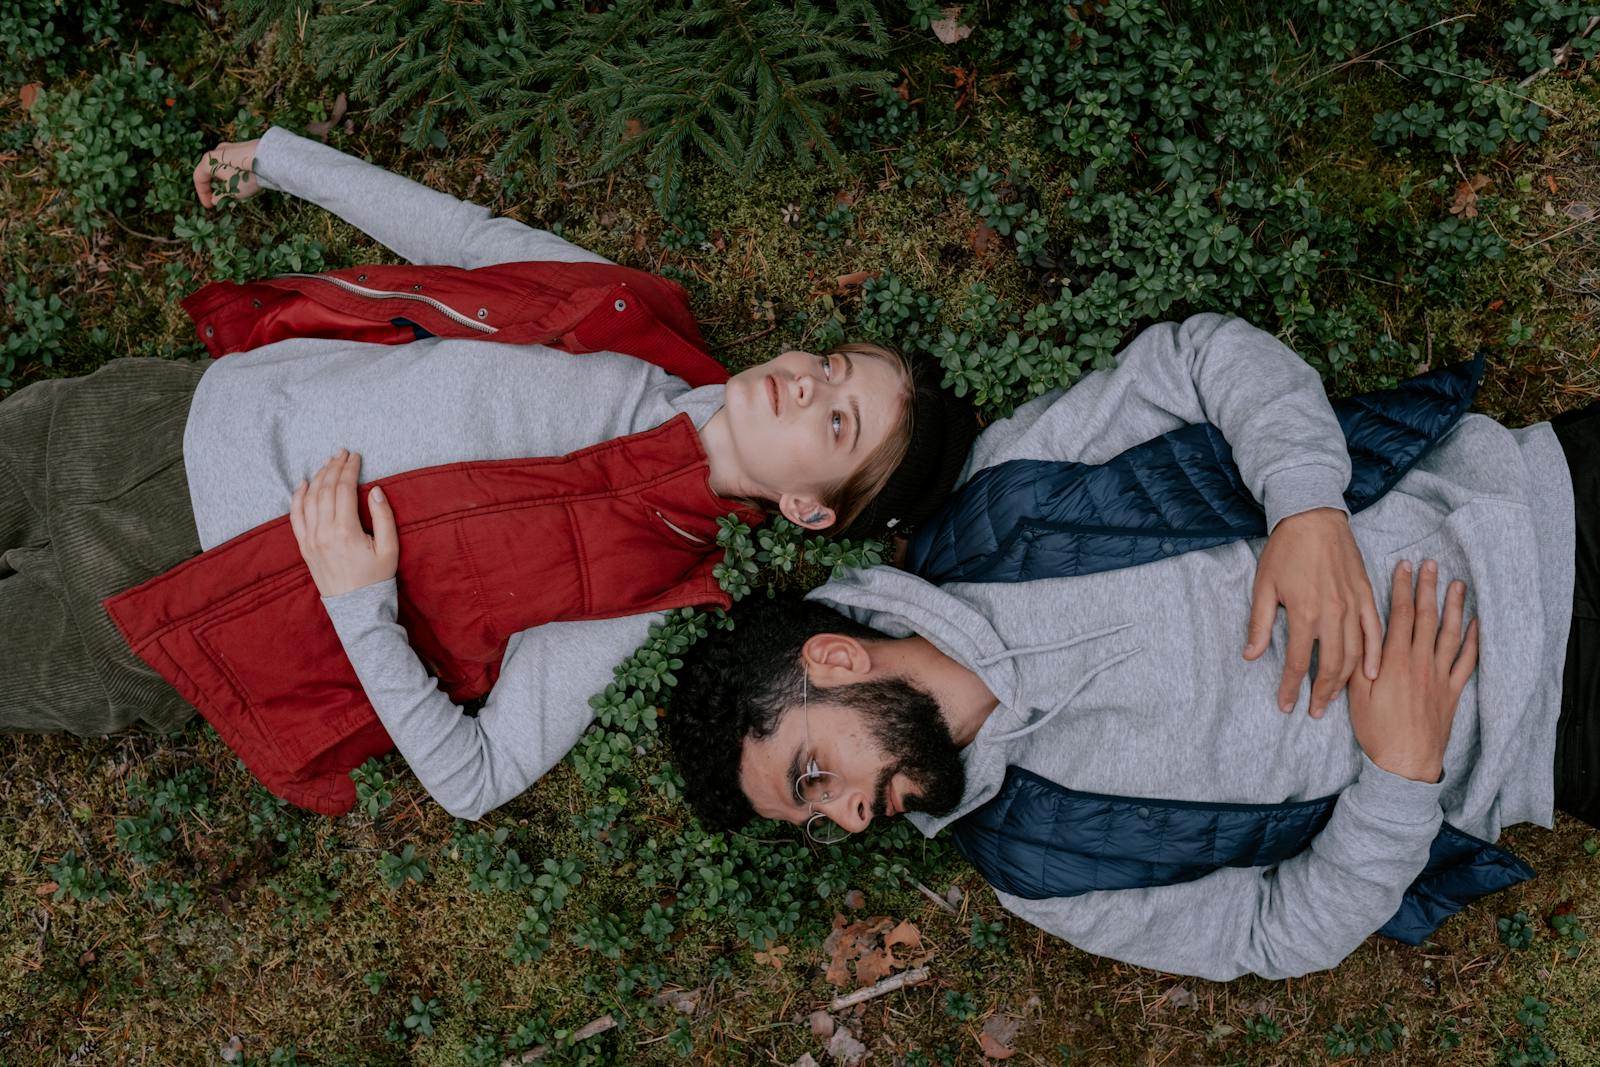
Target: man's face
(896,755)
(801,423)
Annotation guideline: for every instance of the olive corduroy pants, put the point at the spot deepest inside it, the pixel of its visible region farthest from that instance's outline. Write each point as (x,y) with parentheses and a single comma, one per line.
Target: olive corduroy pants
(93,500)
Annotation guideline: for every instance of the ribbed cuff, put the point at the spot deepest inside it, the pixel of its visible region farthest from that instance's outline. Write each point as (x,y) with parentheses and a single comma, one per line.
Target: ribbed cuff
(274,143)
(1395,798)
(1298,489)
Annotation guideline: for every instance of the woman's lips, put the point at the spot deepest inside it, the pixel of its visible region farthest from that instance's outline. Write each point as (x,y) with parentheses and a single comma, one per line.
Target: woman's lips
(772,395)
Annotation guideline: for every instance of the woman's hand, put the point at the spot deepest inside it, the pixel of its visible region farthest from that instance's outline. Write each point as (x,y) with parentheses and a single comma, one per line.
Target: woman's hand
(1402,720)
(227,171)
(341,555)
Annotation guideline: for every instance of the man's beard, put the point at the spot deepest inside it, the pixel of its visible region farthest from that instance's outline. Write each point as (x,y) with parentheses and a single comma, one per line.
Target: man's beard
(907,725)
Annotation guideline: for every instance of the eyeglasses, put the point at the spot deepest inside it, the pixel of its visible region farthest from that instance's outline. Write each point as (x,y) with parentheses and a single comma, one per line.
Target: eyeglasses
(815,786)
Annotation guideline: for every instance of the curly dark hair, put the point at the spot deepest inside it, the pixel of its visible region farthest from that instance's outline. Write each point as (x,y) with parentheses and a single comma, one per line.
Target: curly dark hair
(737,683)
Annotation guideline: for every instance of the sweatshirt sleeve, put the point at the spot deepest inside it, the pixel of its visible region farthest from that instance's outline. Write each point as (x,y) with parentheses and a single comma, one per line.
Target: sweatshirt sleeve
(1267,401)
(1305,914)
(414,221)
(538,709)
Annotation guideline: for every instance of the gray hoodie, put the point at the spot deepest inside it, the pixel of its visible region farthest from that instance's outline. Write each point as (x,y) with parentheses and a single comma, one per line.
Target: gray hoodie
(1132,682)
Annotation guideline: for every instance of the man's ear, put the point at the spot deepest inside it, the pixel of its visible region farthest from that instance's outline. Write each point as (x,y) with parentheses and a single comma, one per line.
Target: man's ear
(834,659)
(805,510)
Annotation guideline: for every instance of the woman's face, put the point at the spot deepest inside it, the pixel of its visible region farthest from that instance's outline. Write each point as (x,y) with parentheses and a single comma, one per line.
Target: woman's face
(802,423)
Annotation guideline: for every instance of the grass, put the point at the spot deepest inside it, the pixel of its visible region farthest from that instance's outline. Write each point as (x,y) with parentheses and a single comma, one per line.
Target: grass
(299,943)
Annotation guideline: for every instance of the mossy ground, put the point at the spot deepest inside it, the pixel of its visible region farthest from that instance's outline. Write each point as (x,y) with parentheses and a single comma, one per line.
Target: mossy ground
(118,981)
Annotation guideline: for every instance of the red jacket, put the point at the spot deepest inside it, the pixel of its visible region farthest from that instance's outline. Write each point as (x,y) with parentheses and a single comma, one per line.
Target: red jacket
(623,527)
(576,307)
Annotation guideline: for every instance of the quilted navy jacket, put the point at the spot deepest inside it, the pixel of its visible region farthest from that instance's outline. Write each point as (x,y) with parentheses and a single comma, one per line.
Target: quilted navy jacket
(1028,519)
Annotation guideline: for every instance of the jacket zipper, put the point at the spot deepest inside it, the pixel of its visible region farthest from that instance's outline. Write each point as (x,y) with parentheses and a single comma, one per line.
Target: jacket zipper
(680,531)
(384,294)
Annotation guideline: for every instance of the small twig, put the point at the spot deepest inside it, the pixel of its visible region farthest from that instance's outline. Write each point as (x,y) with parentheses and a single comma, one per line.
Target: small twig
(935,897)
(146,236)
(1375,50)
(744,340)
(583,1033)
(915,976)
(1561,232)
(1559,56)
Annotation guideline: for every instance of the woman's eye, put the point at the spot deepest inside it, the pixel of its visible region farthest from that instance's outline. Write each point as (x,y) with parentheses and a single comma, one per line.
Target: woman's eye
(827,367)
(837,422)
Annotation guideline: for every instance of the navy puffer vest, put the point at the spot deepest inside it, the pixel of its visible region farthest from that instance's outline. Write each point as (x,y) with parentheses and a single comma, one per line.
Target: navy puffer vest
(1030,519)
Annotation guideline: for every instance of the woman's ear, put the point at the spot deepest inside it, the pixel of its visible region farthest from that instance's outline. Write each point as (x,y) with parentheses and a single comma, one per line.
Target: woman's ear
(806,511)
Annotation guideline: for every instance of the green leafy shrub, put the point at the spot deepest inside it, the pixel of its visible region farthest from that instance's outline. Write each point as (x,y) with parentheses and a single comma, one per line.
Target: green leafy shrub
(38,37)
(77,878)
(127,139)
(38,322)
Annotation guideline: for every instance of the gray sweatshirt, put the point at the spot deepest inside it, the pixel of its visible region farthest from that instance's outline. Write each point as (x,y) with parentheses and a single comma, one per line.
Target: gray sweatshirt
(264,419)
(1132,682)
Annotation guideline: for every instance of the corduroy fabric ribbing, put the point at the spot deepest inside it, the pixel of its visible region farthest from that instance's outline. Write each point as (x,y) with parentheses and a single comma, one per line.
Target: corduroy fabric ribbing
(95,501)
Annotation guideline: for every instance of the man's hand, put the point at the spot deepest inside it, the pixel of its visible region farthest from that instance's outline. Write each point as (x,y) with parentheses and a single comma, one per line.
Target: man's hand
(1311,566)
(339,553)
(228,170)
(1402,721)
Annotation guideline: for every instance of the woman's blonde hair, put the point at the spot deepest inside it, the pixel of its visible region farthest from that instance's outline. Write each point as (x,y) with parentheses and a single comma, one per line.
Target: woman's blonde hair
(853,493)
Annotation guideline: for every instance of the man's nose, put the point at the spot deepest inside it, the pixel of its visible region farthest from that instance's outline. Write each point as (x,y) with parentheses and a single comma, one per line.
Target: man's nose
(852,810)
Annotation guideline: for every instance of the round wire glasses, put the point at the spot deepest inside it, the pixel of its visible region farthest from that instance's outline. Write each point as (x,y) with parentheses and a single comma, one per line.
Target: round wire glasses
(815,786)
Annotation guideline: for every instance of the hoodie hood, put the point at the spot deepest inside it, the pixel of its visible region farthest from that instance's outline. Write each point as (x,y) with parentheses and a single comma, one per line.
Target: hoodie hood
(1035,670)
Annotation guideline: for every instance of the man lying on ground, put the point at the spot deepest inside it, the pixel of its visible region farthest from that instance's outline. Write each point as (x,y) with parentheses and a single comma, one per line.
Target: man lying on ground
(1145,769)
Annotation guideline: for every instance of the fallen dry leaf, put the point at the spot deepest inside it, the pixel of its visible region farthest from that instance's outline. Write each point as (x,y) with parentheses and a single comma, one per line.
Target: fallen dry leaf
(1550,180)
(1497,303)
(682,1001)
(949,29)
(29,93)
(858,277)
(1466,202)
(1180,996)
(858,941)
(822,1025)
(904,934)
(1581,212)
(855,899)
(845,1049)
(984,237)
(631,128)
(229,1050)
(874,966)
(965,87)
(774,958)
(805,1061)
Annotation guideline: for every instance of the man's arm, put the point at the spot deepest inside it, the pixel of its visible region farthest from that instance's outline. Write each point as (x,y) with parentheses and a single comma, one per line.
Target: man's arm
(1271,408)
(1305,914)
(418,223)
